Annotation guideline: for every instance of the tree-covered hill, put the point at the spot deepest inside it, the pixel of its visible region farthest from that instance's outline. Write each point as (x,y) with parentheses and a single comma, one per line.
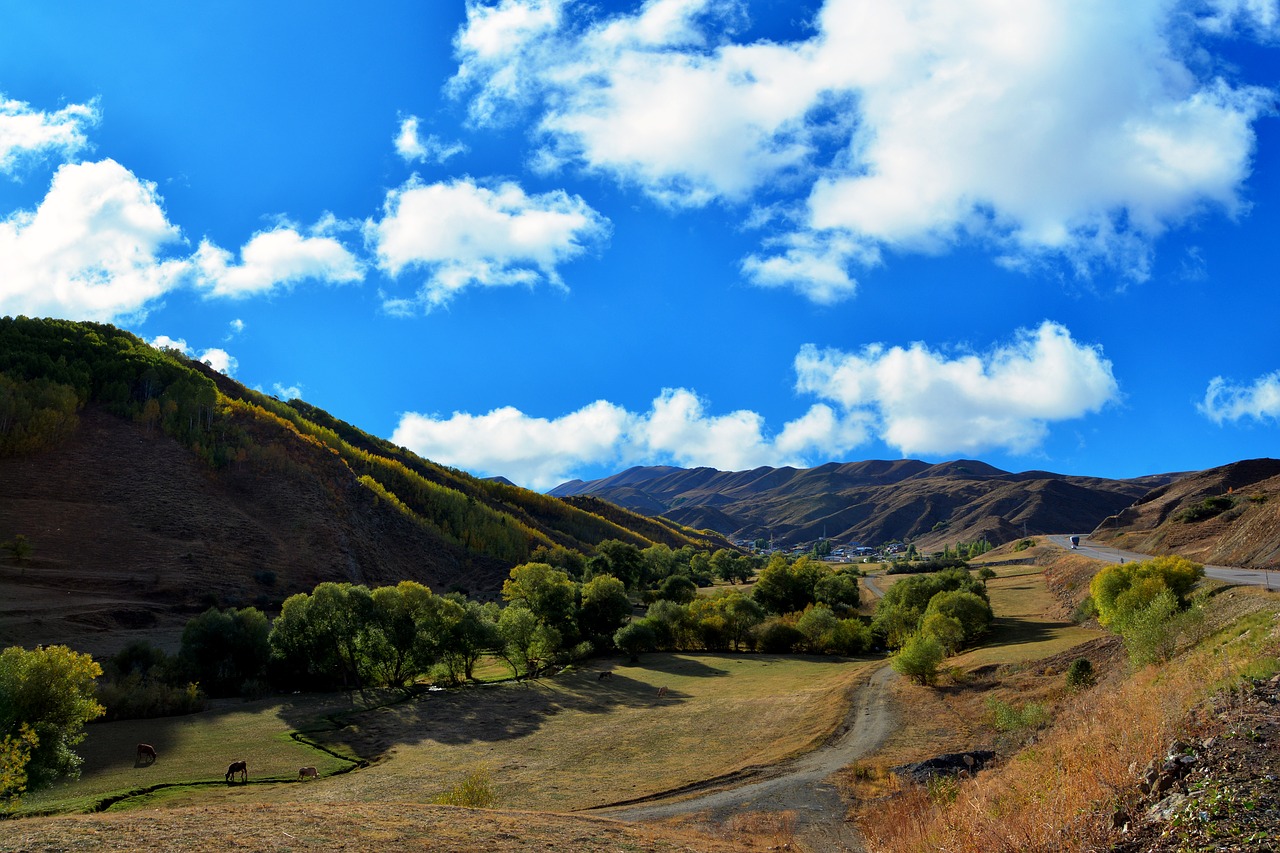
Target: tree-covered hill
(149,481)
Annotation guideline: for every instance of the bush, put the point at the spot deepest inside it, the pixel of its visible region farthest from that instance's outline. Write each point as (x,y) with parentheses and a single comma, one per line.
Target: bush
(473,792)
(1024,544)
(1006,717)
(1123,589)
(1207,508)
(135,698)
(1080,674)
(919,657)
(778,637)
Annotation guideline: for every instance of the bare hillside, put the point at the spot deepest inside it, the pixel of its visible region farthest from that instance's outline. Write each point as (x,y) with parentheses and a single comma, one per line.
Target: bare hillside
(1227,516)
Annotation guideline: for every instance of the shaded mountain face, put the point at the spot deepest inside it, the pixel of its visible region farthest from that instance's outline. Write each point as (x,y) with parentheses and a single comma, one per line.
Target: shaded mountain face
(149,487)
(1226,516)
(871,502)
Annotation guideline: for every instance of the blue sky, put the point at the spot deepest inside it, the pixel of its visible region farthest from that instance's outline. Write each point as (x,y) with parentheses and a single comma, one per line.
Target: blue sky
(551,239)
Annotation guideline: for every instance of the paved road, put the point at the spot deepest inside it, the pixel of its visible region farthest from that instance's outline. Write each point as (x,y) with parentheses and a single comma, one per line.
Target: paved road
(1098,551)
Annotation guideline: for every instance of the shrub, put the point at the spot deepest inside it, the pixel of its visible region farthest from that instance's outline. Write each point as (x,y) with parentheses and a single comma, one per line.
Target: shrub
(1207,508)
(473,792)
(778,636)
(1007,717)
(947,630)
(1122,589)
(919,657)
(1080,674)
(1024,544)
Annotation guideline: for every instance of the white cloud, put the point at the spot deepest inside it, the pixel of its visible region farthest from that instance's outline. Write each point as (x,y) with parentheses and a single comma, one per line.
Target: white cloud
(541,453)
(536,452)
(31,134)
(1050,130)
(91,250)
(1224,401)
(287,392)
(925,402)
(220,360)
(273,259)
(413,147)
(465,235)
(237,327)
(166,342)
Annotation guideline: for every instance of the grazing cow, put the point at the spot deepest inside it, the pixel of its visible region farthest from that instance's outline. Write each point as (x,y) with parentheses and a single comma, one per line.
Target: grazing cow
(147,751)
(662,692)
(308,773)
(606,674)
(241,767)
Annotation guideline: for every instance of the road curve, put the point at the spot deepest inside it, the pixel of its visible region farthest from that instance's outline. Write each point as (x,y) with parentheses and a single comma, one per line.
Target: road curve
(799,785)
(1248,577)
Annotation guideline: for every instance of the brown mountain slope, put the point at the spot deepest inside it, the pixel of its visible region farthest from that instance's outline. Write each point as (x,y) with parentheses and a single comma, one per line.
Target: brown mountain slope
(871,502)
(131,531)
(1227,516)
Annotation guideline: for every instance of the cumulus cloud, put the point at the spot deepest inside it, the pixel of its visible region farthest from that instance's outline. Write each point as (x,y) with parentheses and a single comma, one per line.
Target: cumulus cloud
(926,402)
(166,342)
(220,360)
(91,250)
(271,260)
(677,429)
(413,147)
(26,133)
(463,234)
(1050,130)
(287,392)
(1225,401)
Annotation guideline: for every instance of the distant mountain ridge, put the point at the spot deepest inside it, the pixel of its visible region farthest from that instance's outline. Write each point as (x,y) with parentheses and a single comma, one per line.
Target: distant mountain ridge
(870,502)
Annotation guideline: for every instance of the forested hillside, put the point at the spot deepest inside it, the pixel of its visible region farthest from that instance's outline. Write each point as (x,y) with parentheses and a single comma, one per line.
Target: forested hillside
(153,483)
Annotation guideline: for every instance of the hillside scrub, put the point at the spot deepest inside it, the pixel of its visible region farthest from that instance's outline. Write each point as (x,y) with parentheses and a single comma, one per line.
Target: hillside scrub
(1060,792)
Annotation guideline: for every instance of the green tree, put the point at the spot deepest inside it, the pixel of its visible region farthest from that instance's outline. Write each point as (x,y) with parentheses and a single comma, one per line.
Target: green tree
(970,610)
(1129,587)
(528,644)
(626,563)
(407,633)
(678,588)
(548,593)
(46,697)
(839,591)
(947,630)
(919,657)
(671,624)
(605,608)
(636,637)
(19,548)
(223,649)
(472,631)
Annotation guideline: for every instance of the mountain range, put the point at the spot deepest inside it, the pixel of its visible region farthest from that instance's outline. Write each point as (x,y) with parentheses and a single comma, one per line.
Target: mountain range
(872,502)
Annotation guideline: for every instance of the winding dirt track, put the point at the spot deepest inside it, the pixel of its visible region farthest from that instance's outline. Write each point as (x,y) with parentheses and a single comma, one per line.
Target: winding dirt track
(799,785)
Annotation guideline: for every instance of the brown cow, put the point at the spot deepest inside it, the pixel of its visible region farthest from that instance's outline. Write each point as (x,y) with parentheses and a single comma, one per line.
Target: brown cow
(147,751)
(662,692)
(606,674)
(308,773)
(241,767)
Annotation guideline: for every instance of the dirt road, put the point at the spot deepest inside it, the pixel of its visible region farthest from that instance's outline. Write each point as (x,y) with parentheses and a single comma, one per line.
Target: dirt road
(799,785)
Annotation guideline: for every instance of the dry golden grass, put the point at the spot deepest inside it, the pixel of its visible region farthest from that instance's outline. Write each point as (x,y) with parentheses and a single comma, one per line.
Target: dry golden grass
(574,742)
(1059,793)
(358,826)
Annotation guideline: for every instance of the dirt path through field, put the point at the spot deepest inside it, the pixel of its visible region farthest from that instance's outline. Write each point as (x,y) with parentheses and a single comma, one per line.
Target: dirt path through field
(800,785)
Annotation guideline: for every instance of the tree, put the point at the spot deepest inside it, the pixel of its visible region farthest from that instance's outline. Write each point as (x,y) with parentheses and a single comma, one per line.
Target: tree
(19,548)
(839,591)
(1129,587)
(407,633)
(636,637)
(677,588)
(605,608)
(224,649)
(971,611)
(947,630)
(919,657)
(528,644)
(626,562)
(472,631)
(547,593)
(46,697)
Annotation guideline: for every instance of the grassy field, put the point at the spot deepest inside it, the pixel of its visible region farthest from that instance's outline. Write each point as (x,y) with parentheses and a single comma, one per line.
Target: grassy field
(193,753)
(574,741)
(556,744)
(1029,623)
